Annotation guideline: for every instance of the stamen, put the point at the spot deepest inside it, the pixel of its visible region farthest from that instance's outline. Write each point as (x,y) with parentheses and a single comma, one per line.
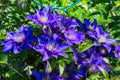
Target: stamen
(51,46)
(43,19)
(19,37)
(102,39)
(71,36)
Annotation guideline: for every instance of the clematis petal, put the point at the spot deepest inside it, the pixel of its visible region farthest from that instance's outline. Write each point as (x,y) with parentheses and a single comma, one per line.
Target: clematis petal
(92,34)
(43,40)
(47,11)
(63,54)
(63,46)
(99,31)
(16,49)
(73,24)
(110,41)
(10,35)
(25,46)
(86,21)
(46,57)
(81,72)
(117,51)
(31,17)
(75,54)
(107,46)
(37,75)
(38,13)
(8,46)
(94,23)
(38,48)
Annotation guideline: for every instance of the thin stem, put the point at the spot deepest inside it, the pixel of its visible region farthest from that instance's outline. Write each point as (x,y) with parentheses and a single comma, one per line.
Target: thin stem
(48,76)
(15,70)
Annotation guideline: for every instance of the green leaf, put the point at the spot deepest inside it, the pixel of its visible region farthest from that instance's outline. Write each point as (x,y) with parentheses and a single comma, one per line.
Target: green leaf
(85,46)
(115,78)
(106,60)
(53,63)
(68,50)
(104,72)
(36,63)
(9,73)
(64,3)
(3,59)
(94,13)
(93,76)
(61,67)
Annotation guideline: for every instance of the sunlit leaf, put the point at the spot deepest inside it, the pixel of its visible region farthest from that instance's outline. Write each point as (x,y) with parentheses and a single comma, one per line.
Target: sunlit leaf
(61,67)
(3,58)
(104,72)
(85,46)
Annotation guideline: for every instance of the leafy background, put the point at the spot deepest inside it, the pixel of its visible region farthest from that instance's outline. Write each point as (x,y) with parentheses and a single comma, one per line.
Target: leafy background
(13,15)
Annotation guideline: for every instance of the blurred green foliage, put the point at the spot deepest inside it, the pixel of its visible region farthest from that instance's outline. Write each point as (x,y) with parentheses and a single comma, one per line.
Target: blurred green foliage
(13,15)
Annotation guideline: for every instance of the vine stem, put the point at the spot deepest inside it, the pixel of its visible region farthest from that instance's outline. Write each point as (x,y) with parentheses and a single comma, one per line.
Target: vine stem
(15,70)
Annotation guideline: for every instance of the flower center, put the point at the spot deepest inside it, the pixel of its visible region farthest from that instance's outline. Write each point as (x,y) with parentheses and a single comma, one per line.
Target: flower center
(71,36)
(51,46)
(102,39)
(43,19)
(91,27)
(103,51)
(19,37)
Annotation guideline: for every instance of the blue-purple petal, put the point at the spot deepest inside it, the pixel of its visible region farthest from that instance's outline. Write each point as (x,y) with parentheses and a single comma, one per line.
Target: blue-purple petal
(37,75)
(8,46)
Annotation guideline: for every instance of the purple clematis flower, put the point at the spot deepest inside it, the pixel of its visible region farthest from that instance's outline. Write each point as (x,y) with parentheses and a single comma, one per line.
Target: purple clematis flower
(71,73)
(87,25)
(90,58)
(117,51)
(73,36)
(97,61)
(66,28)
(19,40)
(101,38)
(63,23)
(42,17)
(51,46)
(81,58)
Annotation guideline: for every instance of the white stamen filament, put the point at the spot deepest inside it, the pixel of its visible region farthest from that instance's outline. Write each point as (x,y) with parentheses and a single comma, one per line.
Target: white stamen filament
(43,19)
(51,46)
(91,27)
(71,36)
(19,37)
(102,39)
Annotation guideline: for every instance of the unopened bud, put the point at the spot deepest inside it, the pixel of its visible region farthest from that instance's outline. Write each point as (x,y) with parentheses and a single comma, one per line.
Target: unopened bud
(48,67)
